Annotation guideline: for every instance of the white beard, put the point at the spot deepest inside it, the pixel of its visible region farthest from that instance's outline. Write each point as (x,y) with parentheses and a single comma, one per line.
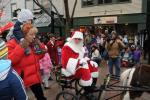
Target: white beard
(75,47)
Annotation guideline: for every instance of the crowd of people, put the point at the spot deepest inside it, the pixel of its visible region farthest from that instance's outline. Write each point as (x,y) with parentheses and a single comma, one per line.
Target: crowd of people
(113,48)
(25,61)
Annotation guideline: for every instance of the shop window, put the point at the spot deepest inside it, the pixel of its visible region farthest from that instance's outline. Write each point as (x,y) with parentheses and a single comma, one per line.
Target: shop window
(87,2)
(100,1)
(124,0)
(107,1)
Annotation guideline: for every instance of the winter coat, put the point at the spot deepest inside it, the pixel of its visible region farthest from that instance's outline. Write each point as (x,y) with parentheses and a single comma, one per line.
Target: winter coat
(52,50)
(74,64)
(11,85)
(45,64)
(27,66)
(96,54)
(137,55)
(17,32)
(113,47)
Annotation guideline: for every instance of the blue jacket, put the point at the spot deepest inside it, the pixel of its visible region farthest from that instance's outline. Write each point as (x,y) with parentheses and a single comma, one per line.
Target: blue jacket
(17,32)
(11,85)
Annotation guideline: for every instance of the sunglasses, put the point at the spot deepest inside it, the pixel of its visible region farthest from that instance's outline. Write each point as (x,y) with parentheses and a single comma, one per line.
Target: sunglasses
(78,39)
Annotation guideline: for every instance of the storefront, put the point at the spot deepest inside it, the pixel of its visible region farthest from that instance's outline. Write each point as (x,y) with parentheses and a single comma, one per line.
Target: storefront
(123,24)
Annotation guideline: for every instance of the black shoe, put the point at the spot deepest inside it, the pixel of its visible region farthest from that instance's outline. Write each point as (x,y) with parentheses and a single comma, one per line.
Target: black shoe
(46,88)
(90,97)
(94,88)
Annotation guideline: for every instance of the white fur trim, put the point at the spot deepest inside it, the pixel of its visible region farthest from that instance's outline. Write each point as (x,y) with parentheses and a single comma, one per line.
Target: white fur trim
(78,35)
(69,39)
(87,59)
(95,74)
(76,49)
(71,65)
(86,83)
(81,54)
(65,72)
(94,64)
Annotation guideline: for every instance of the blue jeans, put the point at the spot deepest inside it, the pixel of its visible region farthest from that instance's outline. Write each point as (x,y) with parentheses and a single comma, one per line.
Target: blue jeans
(116,62)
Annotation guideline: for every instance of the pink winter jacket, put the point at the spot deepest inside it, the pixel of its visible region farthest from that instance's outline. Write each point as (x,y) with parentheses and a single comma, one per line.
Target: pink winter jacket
(45,64)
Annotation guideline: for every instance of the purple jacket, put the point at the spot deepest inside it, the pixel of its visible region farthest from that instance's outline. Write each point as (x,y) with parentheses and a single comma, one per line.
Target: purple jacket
(137,55)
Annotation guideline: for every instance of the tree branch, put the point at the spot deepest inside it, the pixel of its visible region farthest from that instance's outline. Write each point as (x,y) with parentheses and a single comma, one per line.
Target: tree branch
(74,7)
(67,10)
(56,12)
(38,4)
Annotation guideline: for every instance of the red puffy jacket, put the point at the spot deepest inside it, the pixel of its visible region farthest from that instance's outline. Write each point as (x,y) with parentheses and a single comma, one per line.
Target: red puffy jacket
(27,66)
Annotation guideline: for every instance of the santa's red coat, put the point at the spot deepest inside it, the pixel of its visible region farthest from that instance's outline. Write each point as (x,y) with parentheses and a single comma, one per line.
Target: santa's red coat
(71,65)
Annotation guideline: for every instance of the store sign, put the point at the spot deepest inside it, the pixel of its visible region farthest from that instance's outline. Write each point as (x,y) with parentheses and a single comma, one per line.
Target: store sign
(105,20)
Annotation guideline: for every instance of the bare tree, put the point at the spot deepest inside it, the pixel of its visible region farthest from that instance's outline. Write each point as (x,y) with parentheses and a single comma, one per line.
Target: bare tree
(47,12)
(69,20)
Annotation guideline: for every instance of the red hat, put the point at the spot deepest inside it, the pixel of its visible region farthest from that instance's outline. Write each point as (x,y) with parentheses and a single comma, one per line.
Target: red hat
(77,34)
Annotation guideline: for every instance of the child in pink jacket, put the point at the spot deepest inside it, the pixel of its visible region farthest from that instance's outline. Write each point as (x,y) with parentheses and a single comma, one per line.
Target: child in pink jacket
(45,66)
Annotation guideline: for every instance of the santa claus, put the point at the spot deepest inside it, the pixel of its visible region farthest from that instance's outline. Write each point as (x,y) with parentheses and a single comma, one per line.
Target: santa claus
(75,64)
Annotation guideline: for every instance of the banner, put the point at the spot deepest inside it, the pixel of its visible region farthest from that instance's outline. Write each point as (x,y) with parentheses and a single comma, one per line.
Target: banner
(105,20)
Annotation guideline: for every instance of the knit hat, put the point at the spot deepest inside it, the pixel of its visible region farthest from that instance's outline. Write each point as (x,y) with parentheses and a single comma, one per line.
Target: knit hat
(3,49)
(25,15)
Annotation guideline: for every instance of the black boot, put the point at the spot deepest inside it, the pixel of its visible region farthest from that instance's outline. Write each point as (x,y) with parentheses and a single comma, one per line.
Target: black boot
(88,93)
(94,82)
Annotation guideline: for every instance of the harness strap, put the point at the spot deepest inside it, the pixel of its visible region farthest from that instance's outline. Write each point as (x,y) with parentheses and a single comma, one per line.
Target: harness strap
(139,75)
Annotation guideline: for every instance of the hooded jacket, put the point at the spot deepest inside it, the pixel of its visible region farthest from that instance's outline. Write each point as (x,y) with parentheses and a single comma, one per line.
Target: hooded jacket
(17,32)
(11,85)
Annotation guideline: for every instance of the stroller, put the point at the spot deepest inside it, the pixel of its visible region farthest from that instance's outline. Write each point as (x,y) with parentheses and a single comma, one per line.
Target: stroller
(127,60)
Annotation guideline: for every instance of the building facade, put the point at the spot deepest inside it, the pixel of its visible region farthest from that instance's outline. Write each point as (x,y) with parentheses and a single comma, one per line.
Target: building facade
(10,7)
(127,16)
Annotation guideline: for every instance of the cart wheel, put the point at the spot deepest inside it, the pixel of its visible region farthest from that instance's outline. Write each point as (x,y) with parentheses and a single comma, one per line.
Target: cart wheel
(78,88)
(55,73)
(66,96)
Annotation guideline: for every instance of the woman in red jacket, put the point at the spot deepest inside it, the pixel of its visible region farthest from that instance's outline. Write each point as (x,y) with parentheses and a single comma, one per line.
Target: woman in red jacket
(27,66)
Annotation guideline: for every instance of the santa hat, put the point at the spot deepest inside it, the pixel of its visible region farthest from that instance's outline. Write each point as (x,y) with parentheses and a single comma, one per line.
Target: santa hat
(76,35)
(25,15)
(3,49)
